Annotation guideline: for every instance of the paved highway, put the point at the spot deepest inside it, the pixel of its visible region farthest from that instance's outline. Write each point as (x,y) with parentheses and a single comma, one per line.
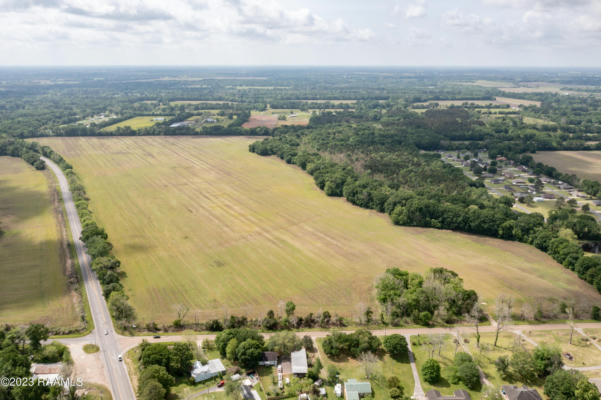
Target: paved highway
(116,371)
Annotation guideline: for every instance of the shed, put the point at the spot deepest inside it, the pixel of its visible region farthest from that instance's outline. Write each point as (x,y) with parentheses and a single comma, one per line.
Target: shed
(299,362)
(338,390)
(49,373)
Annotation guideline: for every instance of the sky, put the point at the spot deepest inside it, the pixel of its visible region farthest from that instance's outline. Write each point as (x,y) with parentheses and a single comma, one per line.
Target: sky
(474,33)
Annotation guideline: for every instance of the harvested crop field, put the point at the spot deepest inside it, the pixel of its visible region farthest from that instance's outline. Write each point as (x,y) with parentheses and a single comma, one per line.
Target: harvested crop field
(255,121)
(205,223)
(136,123)
(584,164)
(34,286)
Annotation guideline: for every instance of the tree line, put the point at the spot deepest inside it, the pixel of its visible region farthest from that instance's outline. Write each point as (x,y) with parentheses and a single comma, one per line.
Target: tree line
(383,170)
(104,263)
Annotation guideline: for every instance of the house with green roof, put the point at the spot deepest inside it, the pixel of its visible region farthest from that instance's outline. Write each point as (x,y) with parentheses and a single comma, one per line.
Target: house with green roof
(354,390)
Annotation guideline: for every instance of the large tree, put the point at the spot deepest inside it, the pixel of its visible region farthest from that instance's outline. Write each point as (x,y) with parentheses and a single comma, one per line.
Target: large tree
(396,346)
(249,353)
(36,333)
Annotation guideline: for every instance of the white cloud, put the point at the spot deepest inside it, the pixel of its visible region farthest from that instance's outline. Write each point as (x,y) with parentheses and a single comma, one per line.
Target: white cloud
(415,9)
(466,22)
(145,21)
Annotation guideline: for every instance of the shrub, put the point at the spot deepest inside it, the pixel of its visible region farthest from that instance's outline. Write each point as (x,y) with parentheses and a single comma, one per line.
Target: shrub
(431,371)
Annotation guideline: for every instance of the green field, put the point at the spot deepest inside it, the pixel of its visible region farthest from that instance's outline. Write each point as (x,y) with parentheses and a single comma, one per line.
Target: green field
(584,164)
(385,367)
(206,223)
(487,354)
(135,123)
(444,354)
(584,353)
(34,286)
(537,121)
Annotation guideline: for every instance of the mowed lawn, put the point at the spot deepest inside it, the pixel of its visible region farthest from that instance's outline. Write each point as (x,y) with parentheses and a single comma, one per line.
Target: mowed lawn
(33,284)
(136,123)
(584,164)
(206,223)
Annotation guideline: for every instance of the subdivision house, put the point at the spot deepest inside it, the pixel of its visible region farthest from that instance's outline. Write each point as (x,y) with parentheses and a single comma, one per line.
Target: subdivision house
(298,360)
(457,395)
(354,390)
(210,369)
(270,358)
(510,392)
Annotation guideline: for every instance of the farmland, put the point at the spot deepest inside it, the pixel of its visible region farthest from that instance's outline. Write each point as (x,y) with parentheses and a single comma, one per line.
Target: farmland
(498,101)
(136,123)
(270,118)
(34,287)
(203,222)
(584,164)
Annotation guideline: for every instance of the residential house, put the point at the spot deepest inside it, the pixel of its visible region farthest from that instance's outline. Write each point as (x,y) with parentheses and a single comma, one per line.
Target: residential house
(510,392)
(270,358)
(298,359)
(209,370)
(48,373)
(457,395)
(354,390)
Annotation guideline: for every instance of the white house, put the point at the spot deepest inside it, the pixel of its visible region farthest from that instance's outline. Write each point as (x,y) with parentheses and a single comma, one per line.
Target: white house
(299,362)
(210,369)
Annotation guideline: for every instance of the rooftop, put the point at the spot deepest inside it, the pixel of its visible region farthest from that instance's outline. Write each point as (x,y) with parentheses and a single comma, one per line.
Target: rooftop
(523,393)
(354,388)
(457,395)
(299,361)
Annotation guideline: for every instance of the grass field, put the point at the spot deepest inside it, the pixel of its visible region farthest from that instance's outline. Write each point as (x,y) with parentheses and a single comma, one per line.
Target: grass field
(584,164)
(537,121)
(34,287)
(498,100)
(203,222)
(583,352)
(179,102)
(135,123)
(445,356)
(487,354)
(385,367)
(269,118)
